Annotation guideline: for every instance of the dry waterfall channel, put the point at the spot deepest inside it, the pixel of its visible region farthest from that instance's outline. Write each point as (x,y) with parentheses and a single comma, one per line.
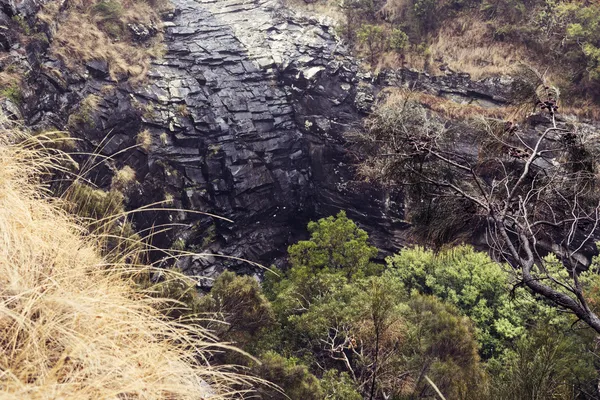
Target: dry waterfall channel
(247,111)
(222,115)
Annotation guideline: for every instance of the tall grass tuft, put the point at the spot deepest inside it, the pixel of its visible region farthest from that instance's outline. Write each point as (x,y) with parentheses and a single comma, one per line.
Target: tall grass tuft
(73,325)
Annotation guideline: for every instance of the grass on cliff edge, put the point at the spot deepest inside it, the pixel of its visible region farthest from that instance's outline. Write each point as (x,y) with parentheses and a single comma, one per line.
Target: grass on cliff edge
(73,326)
(99,30)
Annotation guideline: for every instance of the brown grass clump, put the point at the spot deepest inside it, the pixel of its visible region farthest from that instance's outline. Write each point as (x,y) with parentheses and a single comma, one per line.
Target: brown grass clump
(9,83)
(447,108)
(144,139)
(72,325)
(584,109)
(123,177)
(453,110)
(466,45)
(91,30)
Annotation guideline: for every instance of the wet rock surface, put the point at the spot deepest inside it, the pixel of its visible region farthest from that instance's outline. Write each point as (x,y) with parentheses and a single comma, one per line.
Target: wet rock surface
(246,114)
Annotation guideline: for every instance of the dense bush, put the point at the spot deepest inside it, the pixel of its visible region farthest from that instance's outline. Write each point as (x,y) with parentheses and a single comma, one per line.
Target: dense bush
(477,286)
(291,376)
(335,326)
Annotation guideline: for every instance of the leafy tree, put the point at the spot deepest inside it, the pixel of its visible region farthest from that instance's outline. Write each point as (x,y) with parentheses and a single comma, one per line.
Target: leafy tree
(427,11)
(336,243)
(471,281)
(381,313)
(360,323)
(365,333)
(398,41)
(372,37)
(355,13)
(583,28)
(442,347)
(240,313)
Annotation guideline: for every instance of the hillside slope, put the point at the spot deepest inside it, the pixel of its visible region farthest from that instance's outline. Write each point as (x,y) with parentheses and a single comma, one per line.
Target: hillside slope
(73,325)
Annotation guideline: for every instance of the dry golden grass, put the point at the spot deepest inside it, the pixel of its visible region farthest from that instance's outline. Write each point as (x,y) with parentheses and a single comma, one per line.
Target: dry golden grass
(73,326)
(453,110)
(144,139)
(123,178)
(466,45)
(9,79)
(447,108)
(583,109)
(326,8)
(83,33)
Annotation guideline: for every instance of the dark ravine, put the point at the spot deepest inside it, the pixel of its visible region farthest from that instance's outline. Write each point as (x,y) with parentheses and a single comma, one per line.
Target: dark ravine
(247,113)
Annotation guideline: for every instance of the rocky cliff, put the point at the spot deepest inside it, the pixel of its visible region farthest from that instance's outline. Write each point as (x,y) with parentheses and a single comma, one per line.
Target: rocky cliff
(246,114)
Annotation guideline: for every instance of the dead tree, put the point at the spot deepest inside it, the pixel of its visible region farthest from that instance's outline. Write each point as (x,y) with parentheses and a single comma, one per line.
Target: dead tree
(529,190)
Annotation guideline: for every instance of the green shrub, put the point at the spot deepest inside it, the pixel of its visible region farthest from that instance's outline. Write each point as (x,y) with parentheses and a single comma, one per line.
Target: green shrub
(108,9)
(440,344)
(242,305)
(83,118)
(178,244)
(339,386)
(22,24)
(398,41)
(94,204)
(546,364)
(336,243)
(293,378)
(476,285)
(13,93)
(372,38)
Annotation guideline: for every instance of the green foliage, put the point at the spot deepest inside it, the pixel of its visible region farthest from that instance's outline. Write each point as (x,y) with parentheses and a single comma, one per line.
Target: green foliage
(109,9)
(442,346)
(511,11)
(427,11)
(339,386)
(385,334)
(209,236)
(83,118)
(546,364)
(293,378)
(583,28)
(372,38)
(235,310)
(13,93)
(103,213)
(336,243)
(321,268)
(398,41)
(365,323)
(240,301)
(23,24)
(185,303)
(110,17)
(94,204)
(178,244)
(475,284)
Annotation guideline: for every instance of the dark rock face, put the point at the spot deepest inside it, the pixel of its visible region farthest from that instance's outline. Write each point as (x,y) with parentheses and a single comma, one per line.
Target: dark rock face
(252,104)
(246,113)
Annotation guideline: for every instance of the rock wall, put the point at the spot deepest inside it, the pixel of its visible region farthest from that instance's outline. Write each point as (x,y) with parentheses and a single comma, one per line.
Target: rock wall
(247,113)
